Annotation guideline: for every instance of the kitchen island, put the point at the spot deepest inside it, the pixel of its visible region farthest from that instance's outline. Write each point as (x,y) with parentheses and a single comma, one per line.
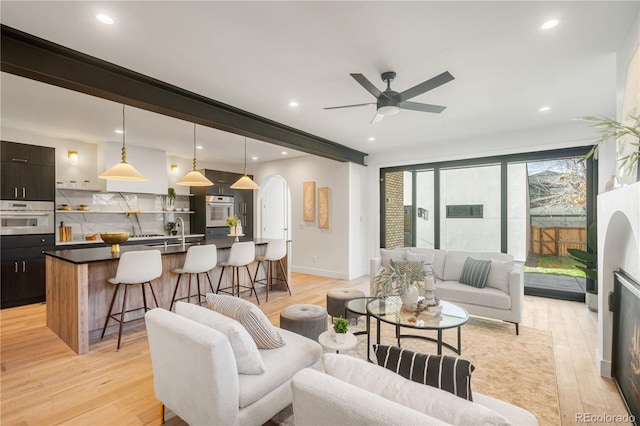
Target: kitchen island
(78,295)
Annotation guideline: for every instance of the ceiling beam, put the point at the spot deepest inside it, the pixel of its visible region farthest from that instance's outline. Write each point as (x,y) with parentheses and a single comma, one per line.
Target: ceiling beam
(32,57)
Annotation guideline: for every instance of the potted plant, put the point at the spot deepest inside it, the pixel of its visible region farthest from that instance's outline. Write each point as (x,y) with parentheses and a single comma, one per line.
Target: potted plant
(171,199)
(340,327)
(171,228)
(232,222)
(391,281)
(589,265)
(612,129)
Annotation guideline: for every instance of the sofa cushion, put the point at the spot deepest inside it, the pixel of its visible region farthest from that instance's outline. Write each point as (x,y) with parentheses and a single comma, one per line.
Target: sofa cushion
(426,399)
(439,258)
(455,261)
(280,364)
(445,372)
(455,292)
(499,275)
(250,316)
(244,348)
(475,272)
(397,255)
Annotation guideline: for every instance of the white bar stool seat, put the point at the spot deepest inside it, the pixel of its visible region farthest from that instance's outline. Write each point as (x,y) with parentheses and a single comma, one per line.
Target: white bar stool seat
(199,260)
(134,268)
(241,254)
(275,252)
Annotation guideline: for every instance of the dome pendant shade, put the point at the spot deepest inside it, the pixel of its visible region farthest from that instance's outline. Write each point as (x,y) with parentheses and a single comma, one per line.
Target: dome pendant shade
(245,181)
(194,177)
(123,170)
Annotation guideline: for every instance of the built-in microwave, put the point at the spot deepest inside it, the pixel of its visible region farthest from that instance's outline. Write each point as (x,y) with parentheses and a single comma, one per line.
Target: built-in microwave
(26,217)
(218,209)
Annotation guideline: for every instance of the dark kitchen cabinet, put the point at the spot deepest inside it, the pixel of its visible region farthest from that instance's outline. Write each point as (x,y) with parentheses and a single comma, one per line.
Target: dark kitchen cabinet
(243,206)
(222,182)
(23,268)
(28,172)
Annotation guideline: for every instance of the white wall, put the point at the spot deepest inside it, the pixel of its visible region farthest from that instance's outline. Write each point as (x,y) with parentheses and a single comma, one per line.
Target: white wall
(317,251)
(358,265)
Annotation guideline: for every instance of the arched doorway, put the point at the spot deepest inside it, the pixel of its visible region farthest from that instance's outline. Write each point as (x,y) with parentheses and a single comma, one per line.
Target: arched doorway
(274,209)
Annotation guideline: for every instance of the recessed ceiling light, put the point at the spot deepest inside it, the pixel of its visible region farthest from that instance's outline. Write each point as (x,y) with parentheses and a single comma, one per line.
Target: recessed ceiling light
(105,19)
(284,152)
(254,158)
(549,24)
(118,131)
(293,104)
(199,146)
(371,139)
(544,108)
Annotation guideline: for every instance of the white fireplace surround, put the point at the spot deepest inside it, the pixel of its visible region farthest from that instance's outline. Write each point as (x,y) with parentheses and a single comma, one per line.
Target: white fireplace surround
(618,242)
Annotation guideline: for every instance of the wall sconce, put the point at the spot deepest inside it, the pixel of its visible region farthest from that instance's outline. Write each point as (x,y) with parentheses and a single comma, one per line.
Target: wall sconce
(73,157)
(174,169)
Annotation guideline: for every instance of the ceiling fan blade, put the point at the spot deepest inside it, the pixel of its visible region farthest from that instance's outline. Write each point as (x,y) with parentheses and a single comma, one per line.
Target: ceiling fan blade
(350,106)
(364,82)
(425,86)
(416,106)
(377,118)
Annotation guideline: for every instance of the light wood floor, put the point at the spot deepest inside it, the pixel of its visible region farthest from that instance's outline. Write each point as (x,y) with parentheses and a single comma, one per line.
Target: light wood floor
(44,382)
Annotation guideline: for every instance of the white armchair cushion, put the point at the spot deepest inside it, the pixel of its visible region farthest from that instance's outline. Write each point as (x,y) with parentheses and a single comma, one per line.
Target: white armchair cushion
(248,358)
(250,316)
(423,398)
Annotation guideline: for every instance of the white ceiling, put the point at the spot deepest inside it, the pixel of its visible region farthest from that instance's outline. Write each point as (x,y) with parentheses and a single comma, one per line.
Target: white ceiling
(258,56)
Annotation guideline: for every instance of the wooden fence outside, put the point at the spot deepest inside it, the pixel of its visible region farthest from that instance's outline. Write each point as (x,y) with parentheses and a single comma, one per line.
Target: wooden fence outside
(556,240)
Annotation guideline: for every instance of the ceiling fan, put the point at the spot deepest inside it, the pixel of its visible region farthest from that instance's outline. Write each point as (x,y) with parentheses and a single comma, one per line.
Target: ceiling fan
(391,102)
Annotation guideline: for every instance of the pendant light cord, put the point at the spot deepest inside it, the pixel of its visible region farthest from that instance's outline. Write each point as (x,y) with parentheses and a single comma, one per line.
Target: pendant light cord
(245,155)
(124,150)
(194,146)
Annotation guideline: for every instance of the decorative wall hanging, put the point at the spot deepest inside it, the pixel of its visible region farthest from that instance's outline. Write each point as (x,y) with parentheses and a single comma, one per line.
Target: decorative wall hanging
(323,208)
(309,200)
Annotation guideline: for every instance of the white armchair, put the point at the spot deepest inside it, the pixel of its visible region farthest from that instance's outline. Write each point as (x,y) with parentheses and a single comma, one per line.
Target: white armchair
(196,376)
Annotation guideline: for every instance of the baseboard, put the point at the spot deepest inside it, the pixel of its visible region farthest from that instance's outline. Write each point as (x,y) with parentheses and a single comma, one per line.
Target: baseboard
(320,272)
(604,365)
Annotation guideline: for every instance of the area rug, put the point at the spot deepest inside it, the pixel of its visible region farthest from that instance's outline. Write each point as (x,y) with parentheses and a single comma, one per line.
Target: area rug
(516,369)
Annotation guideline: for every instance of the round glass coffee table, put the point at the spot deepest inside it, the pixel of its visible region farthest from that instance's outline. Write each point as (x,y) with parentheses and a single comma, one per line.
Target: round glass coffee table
(390,310)
(358,306)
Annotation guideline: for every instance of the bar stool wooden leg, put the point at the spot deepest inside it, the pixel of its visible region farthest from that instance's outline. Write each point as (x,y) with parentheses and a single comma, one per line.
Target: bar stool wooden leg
(253,287)
(210,284)
(144,297)
(220,279)
(284,274)
(124,308)
(153,293)
(175,292)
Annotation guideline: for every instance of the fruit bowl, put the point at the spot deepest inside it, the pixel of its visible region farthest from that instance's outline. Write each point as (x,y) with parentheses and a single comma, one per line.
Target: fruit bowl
(114,238)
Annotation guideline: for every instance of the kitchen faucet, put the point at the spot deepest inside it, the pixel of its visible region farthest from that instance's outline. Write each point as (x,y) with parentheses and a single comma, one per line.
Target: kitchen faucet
(180,222)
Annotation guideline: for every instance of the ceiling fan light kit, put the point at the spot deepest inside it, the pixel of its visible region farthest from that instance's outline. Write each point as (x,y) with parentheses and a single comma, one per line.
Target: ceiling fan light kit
(123,170)
(391,102)
(194,177)
(245,181)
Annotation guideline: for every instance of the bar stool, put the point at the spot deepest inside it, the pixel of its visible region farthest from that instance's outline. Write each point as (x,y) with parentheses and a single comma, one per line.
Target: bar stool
(275,252)
(199,260)
(134,268)
(241,254)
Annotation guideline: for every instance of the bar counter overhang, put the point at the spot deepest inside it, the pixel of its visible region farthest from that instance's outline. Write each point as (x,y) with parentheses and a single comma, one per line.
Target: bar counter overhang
(78,295)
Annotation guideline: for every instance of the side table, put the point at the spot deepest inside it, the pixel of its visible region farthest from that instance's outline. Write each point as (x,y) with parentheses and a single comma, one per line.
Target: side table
(328,341)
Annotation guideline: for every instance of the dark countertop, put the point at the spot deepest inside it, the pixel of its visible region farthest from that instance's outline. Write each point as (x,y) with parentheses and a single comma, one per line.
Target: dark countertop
(98,254)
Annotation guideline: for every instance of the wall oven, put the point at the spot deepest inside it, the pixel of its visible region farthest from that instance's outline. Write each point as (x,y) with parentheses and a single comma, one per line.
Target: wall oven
(218,208)
(26,217)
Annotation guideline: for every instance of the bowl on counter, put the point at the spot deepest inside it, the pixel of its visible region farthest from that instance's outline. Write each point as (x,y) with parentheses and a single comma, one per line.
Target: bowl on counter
(115,239)
(65,207)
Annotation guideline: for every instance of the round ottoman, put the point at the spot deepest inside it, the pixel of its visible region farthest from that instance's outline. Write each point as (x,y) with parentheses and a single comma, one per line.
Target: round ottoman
(306,320)
(336,299)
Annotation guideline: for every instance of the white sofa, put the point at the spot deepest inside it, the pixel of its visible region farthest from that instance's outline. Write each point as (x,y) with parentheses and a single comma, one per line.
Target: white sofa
(351,391)
(195,373)
(502,298)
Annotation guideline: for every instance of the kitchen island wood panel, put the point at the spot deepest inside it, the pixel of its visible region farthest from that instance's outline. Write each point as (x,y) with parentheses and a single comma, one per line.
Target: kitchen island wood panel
(78,294)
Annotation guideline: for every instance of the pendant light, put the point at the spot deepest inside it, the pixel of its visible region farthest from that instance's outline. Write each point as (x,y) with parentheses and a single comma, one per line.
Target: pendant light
(194,177)
(245,181)
(123,170)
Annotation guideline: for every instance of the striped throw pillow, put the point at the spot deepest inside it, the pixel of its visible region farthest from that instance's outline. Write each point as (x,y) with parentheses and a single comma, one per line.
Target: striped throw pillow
(475,272)
(448,373)
(250,316)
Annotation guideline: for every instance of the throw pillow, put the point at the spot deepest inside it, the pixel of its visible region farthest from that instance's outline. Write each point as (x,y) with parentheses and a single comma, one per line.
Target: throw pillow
(415,269)
(250,316)
(427,258)
(499,275)
(475,272)
(448,373)
(248,358)
(386,256)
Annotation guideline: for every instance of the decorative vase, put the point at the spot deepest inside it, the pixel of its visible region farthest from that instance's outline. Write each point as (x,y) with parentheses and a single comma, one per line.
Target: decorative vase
(239,229)
(410,297)
(232,230)
(341,338)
